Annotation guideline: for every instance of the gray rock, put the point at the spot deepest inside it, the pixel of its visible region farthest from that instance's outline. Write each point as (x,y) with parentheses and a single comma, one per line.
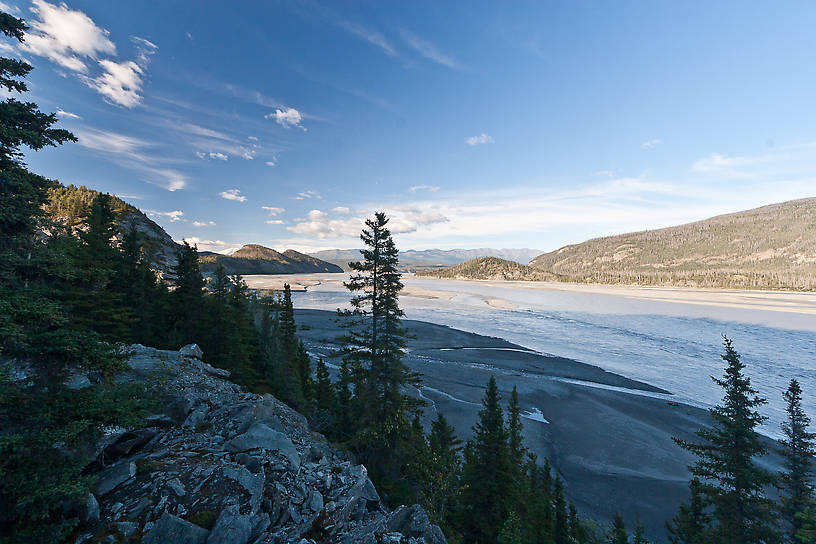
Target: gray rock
(253,483)
(316,501)
(91,509)
(192,350)
(412,521)
(261,436)
(231,527)
(127,528)
(116,476)
(253,464)
(177,487)
(173,529)
(77,380)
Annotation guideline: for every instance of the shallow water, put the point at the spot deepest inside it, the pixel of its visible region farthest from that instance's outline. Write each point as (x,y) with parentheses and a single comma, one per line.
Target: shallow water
(671,345)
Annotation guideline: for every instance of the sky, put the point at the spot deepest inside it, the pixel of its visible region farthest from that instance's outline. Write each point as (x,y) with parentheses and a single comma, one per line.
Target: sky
(471,124)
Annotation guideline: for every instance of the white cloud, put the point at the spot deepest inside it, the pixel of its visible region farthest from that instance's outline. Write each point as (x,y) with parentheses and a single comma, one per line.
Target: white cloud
(218,246)
(212,155)
(341,210)
(272,210)
(188,35)
(430,188)
(287,117)
(232,194)
(648,144)
(274,222)
(174,216)
(270,163)
(72,39)
(481,139)
(66,36)
(253,138)
(203,223)
(403,219)
(430,51)
(306,194)
(68,114)
(9,8)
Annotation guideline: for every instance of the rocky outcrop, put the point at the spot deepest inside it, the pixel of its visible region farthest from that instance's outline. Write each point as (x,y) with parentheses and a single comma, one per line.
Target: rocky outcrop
(223,466)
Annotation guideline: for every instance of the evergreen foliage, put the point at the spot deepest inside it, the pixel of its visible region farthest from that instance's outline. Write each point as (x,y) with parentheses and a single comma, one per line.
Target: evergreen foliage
(730,480)
(798,450)
(374,374)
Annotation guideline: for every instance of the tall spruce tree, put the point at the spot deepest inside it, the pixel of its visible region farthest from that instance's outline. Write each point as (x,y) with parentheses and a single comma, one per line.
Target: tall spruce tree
(561,521)
(486,473)
(439,490)
(372,349)
(731,481)
(188,297)
(798,451)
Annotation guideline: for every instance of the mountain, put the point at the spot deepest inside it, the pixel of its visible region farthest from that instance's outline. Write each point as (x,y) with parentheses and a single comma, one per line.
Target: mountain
(772,247)
(411,258)
(69,205)
(257,259)
(489,268)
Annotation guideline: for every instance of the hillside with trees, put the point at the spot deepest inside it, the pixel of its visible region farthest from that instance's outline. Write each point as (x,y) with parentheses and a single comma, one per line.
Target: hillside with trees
(489,268)
(413,259)
(772,247)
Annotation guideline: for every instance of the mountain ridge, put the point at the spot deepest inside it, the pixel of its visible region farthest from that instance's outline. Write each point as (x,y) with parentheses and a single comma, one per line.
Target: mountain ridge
(430,258)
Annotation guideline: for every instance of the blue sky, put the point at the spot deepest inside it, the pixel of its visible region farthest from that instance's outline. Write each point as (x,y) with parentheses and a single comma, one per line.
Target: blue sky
(473,124)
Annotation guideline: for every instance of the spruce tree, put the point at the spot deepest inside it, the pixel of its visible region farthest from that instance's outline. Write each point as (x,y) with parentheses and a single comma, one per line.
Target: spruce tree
(440,489)
(561,521)
(691,524)
(511,532)
(324,389)
(373,348)
(731,481)
(639,535)
(807,529)
(798,451)
(188,297)
(486,472)
(618,534)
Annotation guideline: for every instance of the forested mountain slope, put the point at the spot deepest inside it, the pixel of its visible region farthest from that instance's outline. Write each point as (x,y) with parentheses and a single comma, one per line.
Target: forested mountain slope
(772,247)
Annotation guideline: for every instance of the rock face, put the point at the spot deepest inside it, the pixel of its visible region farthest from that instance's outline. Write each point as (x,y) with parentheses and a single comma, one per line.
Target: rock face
(223,466)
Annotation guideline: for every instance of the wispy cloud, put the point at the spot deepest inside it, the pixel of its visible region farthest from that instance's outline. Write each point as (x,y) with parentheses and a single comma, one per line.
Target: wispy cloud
(68,114)
(232,194)
(306,194)
(430,51)
(273,211)
(403,219)
(341,210)
(132,153)
(274,221)
(429,188)
(649,144)
(480,139)
(203,223)
(217,246)
(371,36)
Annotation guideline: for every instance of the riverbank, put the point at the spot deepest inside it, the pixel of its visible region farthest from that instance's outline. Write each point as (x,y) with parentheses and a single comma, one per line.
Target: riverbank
(609,437)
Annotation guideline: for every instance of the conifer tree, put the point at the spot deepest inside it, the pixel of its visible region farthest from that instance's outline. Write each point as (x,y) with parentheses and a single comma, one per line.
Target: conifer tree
(577,532)
(511,530)
(618,534)
(486,472)
(691,524)
(561,525)
(373,348)
(440,488)
(188,297)
(639,535)
(324,389)
(798,450)
(807,529)
(731,481)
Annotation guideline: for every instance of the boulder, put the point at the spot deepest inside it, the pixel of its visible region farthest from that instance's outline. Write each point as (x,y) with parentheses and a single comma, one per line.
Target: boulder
(116,476)
(261,436)
(192,350)
(173,529)
(412,521)
(90,513)
(231,527)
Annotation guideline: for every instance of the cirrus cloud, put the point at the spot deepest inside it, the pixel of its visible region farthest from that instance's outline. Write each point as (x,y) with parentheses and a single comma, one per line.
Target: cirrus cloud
(480,139)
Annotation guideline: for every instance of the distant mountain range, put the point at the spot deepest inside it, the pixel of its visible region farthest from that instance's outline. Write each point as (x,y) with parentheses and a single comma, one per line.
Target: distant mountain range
(428,258)
(256,259)
(772,247)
